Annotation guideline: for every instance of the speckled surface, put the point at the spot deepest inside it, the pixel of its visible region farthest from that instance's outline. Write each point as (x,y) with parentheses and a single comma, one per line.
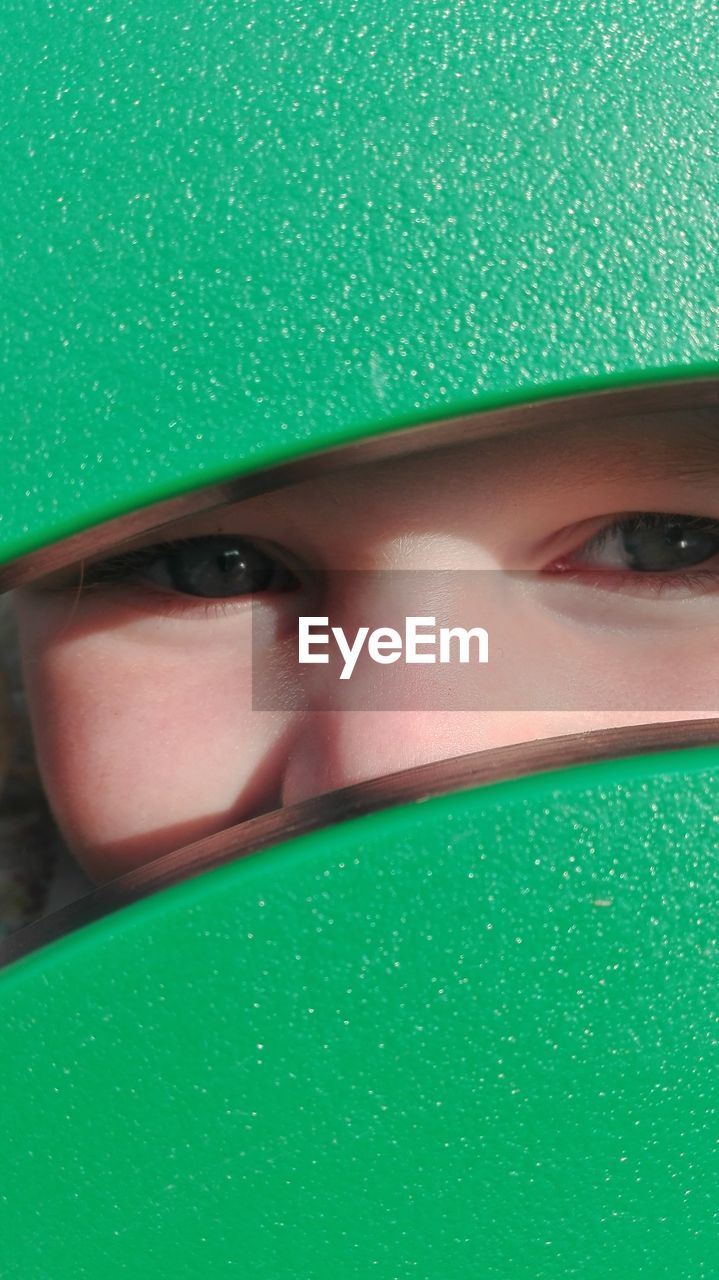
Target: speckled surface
(235,233)
(475,1036)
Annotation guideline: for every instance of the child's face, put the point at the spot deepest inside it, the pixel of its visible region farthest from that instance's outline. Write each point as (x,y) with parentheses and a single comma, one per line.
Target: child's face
(140,683)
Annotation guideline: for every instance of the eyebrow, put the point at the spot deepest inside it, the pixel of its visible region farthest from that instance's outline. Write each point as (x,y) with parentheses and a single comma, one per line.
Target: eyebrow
(704,451)
(696,458)
(685,451)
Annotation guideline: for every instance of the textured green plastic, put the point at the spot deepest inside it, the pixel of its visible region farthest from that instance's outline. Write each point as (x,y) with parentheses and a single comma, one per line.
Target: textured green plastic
(470,1037)
(234,234)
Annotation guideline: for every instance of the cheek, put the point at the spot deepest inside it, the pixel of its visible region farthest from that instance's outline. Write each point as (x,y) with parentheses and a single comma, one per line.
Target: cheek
(144,749)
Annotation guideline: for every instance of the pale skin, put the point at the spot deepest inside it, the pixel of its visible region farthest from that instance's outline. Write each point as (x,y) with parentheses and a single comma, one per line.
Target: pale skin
(141,690)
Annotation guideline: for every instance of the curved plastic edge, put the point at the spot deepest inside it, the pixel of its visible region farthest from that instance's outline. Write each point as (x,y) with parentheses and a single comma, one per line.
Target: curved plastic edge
(39,533)
(554,784)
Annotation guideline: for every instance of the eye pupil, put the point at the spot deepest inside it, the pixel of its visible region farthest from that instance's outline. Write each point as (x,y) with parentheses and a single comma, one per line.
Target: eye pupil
(669,543)
(221,567)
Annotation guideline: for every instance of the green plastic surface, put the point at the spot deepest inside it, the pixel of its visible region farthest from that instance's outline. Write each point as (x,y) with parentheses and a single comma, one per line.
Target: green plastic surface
(237,233)
(470,1037)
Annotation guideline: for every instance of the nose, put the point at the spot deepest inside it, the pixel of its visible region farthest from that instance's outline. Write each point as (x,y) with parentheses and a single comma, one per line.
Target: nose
(539,682)
(335,750)
(392,713)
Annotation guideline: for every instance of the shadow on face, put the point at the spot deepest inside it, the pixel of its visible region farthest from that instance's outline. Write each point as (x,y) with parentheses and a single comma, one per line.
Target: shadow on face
(165,678)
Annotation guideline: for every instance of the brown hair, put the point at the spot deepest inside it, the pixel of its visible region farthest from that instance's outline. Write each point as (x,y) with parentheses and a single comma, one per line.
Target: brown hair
(26,856)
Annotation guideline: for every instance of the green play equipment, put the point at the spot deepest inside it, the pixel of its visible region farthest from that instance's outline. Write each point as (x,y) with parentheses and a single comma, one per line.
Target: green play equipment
(472,1035)
(469,1030)
(238,234)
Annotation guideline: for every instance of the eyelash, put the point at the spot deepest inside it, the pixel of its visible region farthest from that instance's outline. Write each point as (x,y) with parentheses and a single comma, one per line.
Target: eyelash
(119,570)
(655,582)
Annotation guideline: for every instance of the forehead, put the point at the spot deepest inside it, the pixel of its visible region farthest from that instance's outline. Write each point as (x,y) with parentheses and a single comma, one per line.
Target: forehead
(682,444)
(653,428)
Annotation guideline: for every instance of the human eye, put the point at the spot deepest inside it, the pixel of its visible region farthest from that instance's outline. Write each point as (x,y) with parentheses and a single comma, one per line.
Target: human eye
(213,568)
(647,549)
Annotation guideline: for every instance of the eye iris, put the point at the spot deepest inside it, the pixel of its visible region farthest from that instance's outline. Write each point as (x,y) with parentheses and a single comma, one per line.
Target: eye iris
(673,544)
(217,569)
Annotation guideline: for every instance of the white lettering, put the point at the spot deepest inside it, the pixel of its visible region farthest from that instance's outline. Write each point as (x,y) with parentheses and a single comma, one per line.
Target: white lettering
(305,640)
(385,645)
(414,638)
(447,634)
(350,655)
